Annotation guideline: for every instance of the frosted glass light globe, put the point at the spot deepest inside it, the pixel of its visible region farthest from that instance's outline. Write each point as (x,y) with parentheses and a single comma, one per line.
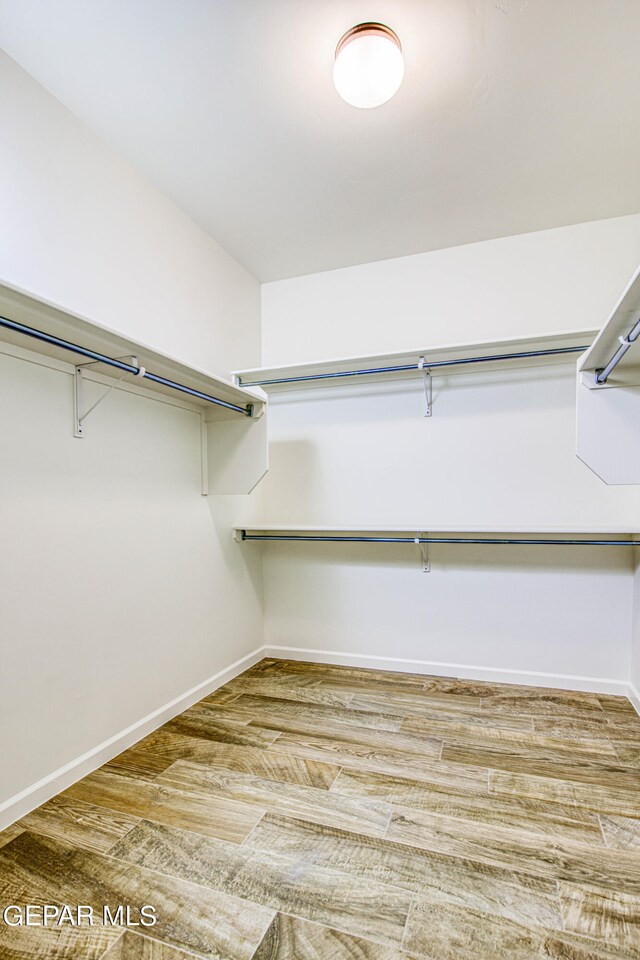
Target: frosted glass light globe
(369,65)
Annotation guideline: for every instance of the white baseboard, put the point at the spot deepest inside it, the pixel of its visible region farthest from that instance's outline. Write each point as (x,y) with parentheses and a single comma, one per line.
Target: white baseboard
(634,696)
(459,670)
(25,801)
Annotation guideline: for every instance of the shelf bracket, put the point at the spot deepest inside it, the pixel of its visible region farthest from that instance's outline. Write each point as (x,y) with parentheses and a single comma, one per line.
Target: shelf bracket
(204,454)
(78,416)
(424,552)
(428,389)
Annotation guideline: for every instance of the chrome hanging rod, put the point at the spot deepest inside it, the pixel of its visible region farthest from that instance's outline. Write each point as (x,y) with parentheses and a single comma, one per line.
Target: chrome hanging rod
(119,365)
(476,540)
(558,351)
(625,342)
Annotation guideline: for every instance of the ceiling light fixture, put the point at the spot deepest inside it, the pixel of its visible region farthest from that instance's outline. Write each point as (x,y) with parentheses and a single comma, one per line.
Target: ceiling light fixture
(369,65)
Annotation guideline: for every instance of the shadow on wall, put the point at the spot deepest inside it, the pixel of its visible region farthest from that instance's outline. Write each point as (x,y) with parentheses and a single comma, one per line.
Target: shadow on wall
(493,392)
(245,565)
(297,464)
(561,611)
(452,558)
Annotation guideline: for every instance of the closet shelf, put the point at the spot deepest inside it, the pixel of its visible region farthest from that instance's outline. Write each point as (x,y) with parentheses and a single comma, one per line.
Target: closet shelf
(626,531)
(608,413)
(233,431)
(23,309)
(619,324)
(455,358)
(423,537)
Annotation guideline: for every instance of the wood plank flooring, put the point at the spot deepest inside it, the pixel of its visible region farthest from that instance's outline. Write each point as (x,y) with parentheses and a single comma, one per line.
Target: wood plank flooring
(313,812)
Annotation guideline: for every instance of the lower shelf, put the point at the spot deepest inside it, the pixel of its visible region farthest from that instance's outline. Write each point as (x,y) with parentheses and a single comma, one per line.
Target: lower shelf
(426,534)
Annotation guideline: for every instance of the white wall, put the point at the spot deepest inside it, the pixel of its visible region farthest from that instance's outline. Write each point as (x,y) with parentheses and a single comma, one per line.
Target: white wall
(120,587)
(85,231)
(498,451)
(536,283)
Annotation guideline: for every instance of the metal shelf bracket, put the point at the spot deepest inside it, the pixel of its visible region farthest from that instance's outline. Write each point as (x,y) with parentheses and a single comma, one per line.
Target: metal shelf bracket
(204,455)
(428,387)
(78,416)
(424,552)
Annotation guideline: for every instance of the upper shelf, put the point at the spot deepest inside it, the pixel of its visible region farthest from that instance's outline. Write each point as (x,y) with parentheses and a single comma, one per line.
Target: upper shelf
(582,530)
(618,325)
(21,308)
(489,354)
(608,420)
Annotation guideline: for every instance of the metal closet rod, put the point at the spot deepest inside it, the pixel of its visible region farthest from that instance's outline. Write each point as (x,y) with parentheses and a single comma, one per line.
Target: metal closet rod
(119,365)
(481,540)
(625,342)
(426,365)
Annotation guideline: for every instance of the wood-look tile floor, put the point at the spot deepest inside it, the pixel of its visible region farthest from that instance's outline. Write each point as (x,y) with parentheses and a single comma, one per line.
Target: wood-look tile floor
(331,813)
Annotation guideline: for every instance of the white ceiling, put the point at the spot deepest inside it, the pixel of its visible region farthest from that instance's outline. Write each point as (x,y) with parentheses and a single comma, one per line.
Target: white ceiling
(515,115)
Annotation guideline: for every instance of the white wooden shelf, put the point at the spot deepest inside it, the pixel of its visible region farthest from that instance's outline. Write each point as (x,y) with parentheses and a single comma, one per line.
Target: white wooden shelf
(608,414)
(22,308)
(623,316)
(433,355)
(424,536)
(234,445)
(583,530)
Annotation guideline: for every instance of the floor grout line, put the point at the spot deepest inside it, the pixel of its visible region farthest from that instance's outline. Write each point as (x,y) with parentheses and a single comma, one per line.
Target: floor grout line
(330,789)
(124,835)
(386,829)
(406,922)
(560,910)
(111,946)
(366,936)
(604,839)
(264,933)
(165,943)
(243,842)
